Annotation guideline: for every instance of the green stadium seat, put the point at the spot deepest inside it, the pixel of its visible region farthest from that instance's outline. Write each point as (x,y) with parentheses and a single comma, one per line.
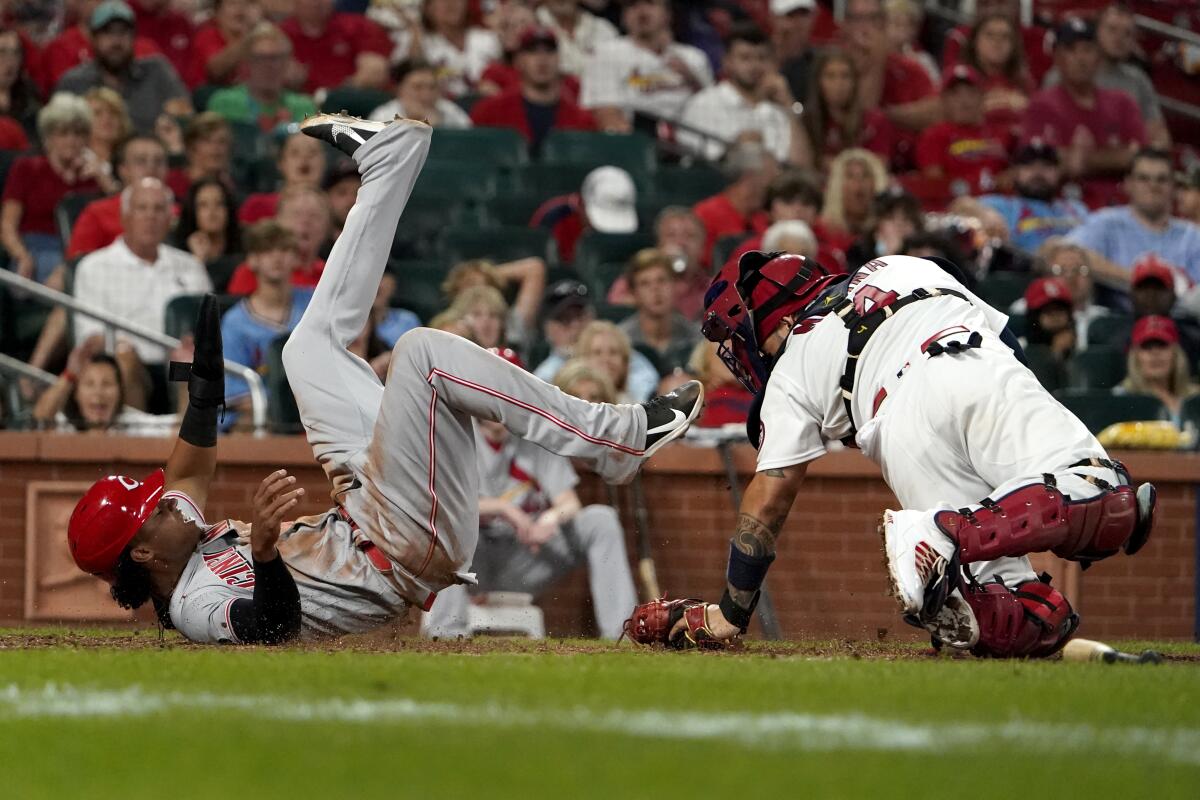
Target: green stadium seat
(632,152)
(675,185)
(475,181)
(68,210)
(492,146)
(601,248)
(427,215)
(1190,412)
(355,101)
(249,143)
(514,209)
(179,318)
(282,414)
(1016,324)
(497,244)
(419,286)
(600,276)
(724,248)
(1097,368)
(611,313)
(1111,330)
(1099,408)
(1001,289)
(543,181)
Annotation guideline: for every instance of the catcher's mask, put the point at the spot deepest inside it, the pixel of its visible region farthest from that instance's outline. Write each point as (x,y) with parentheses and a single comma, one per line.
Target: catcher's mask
(746,302)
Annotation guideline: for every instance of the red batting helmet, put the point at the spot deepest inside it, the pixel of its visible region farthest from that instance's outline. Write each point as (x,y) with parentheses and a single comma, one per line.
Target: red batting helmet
(107,517)
(508,354)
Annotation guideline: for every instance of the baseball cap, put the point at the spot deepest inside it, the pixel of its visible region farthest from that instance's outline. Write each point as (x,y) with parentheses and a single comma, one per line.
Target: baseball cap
(562,296)
(610,200)
(536,36)
(961,73)
(1044,291)
(106,518)
(1154,329)
(509,355)
(1153,269)
(1072,30)
(111,11)
(1036,149)
(782,8)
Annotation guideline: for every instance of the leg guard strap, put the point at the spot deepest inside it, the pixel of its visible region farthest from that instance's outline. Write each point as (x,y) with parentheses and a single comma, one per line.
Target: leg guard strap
(1033,621)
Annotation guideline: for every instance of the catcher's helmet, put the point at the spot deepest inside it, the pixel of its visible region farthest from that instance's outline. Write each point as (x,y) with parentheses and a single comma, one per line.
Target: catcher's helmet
(746,302)
(108,516)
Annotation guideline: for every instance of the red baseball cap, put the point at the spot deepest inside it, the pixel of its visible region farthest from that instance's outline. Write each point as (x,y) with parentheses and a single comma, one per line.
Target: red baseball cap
(107,517)
(1047,290)
(1154,329)
(1152,268)
(961,74)
(537,36)
(508,354)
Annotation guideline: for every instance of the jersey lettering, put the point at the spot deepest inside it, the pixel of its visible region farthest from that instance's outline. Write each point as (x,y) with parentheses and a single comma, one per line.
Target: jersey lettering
(231,566)
(807,324)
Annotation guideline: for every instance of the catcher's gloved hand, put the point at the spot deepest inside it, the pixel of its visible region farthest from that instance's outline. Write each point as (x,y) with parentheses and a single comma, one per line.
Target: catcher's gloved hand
(681,624)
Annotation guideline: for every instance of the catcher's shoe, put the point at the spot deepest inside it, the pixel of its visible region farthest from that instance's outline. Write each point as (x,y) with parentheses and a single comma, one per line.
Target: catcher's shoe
(345,132)
(954,626)
(668,416)
(922,565)
(1147,499)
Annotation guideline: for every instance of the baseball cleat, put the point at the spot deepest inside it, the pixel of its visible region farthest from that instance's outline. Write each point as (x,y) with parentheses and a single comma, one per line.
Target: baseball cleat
(954,626)
(668,416)
(922,564)
(1147,497)
(343,131)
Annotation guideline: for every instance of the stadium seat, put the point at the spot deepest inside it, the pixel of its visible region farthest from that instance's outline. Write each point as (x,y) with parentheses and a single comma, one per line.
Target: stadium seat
(451,179)
(1097,368)
(68,210)
(1016,324)
(419,286)
(1099,408)
(1112,330)
(632,152)
(282,414)
(179,317)
(607,248)
(543,181)
(724,248)
(249,143)
(492,146)
(513,208)
(1000,289)
(1190,412)
(355,101)
(674,185)
(428,214)
(614,314)
(497,244)
(600,276)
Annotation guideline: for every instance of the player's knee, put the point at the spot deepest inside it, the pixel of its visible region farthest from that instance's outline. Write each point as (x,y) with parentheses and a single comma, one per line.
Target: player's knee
(415,345)
(1034,621)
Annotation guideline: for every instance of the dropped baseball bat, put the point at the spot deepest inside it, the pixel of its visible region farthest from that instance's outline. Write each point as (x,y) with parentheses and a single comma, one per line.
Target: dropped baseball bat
(1088,650)
(647,572)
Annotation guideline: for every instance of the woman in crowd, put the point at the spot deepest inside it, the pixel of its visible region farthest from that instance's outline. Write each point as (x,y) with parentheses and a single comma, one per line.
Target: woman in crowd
(36,184)
(897,215)
(301,163)
(605,347)
(1049,331)
(726,402)
(88,397)
(1157,366)
(444,37)
(833,117)
(580,379)
(856,177)
(110,121)
(209,230)
(418,97)
(18,93)
(483,310)
(207,148)
(994,49)
(904,21)
(509,21)
(524,280)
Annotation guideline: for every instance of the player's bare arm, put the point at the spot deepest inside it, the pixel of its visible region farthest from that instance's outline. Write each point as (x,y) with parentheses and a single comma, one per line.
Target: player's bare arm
(765,508)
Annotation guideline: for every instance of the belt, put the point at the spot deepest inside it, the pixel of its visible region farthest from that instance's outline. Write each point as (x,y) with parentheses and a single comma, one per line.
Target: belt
(379,561)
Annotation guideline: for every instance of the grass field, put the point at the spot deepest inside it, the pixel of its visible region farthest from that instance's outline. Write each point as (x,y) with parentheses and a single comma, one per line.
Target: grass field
(103,714)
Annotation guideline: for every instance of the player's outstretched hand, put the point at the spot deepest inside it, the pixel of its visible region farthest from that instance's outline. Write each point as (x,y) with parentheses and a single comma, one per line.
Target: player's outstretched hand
(275,498)
(682,624)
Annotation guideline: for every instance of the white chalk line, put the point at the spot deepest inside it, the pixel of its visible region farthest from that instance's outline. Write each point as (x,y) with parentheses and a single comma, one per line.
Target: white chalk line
(775,731)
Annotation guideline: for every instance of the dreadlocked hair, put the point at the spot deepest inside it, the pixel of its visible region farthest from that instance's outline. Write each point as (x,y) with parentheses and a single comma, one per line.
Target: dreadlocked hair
(131,587)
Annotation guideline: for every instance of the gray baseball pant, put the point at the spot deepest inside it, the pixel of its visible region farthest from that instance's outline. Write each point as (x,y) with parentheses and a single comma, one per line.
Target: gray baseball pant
(402,456)
(594,537)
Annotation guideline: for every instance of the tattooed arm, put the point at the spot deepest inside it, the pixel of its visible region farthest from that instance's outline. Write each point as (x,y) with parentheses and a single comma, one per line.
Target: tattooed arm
(765,508)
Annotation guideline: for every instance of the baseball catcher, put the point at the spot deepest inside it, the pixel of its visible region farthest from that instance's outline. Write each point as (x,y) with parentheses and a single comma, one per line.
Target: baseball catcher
(901,360)
(401,457)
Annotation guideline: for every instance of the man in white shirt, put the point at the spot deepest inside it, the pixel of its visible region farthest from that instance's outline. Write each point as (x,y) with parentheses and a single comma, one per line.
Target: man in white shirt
(578,32)
(134,278)
(752,101)
(645,71)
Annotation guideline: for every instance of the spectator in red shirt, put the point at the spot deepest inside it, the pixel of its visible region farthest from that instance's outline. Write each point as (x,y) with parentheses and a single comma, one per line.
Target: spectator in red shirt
(993,49)
(510,21)
(167,28)
(74,46)
(12,135)
(738,209)
(792,196)
(36,184)
(726,402)
(962,150)
(1097,131)
(18,94)
(305,212)
(301,164)
(607,202)
(537,105)
(896,84)
(208,147)
(679,234)
(139,156)
(834,116)
(855,178)
(221,45)
(1034,41)
(337,48)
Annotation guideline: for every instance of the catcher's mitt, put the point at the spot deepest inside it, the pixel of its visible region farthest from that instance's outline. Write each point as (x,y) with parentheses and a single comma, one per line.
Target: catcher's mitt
(651,623)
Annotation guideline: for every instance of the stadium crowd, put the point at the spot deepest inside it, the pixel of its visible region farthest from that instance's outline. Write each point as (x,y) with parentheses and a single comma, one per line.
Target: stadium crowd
(595,162)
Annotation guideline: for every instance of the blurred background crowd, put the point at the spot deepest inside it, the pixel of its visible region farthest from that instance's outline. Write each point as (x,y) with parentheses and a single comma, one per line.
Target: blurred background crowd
(595,162)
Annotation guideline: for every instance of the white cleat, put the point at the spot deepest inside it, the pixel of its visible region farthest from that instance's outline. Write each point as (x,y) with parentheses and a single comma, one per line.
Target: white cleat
(345,132)
(955,625)
(922,564)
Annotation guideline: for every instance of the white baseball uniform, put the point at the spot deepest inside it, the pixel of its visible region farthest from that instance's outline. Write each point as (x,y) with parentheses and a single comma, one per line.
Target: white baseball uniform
(947,430)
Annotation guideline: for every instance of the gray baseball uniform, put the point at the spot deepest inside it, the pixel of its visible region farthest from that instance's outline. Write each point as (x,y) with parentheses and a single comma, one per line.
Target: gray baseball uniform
(530,478)
(401,456)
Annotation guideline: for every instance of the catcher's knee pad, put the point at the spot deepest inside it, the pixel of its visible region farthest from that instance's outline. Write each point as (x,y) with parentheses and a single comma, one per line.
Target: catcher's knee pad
(1033,621)
(1039,517)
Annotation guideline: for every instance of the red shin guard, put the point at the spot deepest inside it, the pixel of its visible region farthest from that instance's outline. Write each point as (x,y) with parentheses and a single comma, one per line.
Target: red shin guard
(1039,517)
(1034,621)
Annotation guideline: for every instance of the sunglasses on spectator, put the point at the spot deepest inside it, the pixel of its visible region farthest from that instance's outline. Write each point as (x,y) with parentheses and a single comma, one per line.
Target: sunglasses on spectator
(1059,270)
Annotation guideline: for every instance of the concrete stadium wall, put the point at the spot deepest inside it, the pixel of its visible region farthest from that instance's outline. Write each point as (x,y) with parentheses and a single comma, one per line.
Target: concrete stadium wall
(828,581)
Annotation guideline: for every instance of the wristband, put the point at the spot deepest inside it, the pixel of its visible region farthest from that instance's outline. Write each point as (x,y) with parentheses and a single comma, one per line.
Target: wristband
(735,614)
(747,572)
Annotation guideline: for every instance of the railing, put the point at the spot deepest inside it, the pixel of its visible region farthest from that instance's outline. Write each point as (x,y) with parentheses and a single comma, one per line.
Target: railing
(112,324)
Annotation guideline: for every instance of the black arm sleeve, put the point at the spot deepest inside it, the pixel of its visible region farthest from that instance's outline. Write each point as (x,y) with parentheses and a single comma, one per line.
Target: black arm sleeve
(273,616)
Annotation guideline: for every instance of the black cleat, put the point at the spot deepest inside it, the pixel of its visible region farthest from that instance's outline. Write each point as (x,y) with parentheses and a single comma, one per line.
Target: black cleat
(343,131)
(1147,497)
(668,416)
